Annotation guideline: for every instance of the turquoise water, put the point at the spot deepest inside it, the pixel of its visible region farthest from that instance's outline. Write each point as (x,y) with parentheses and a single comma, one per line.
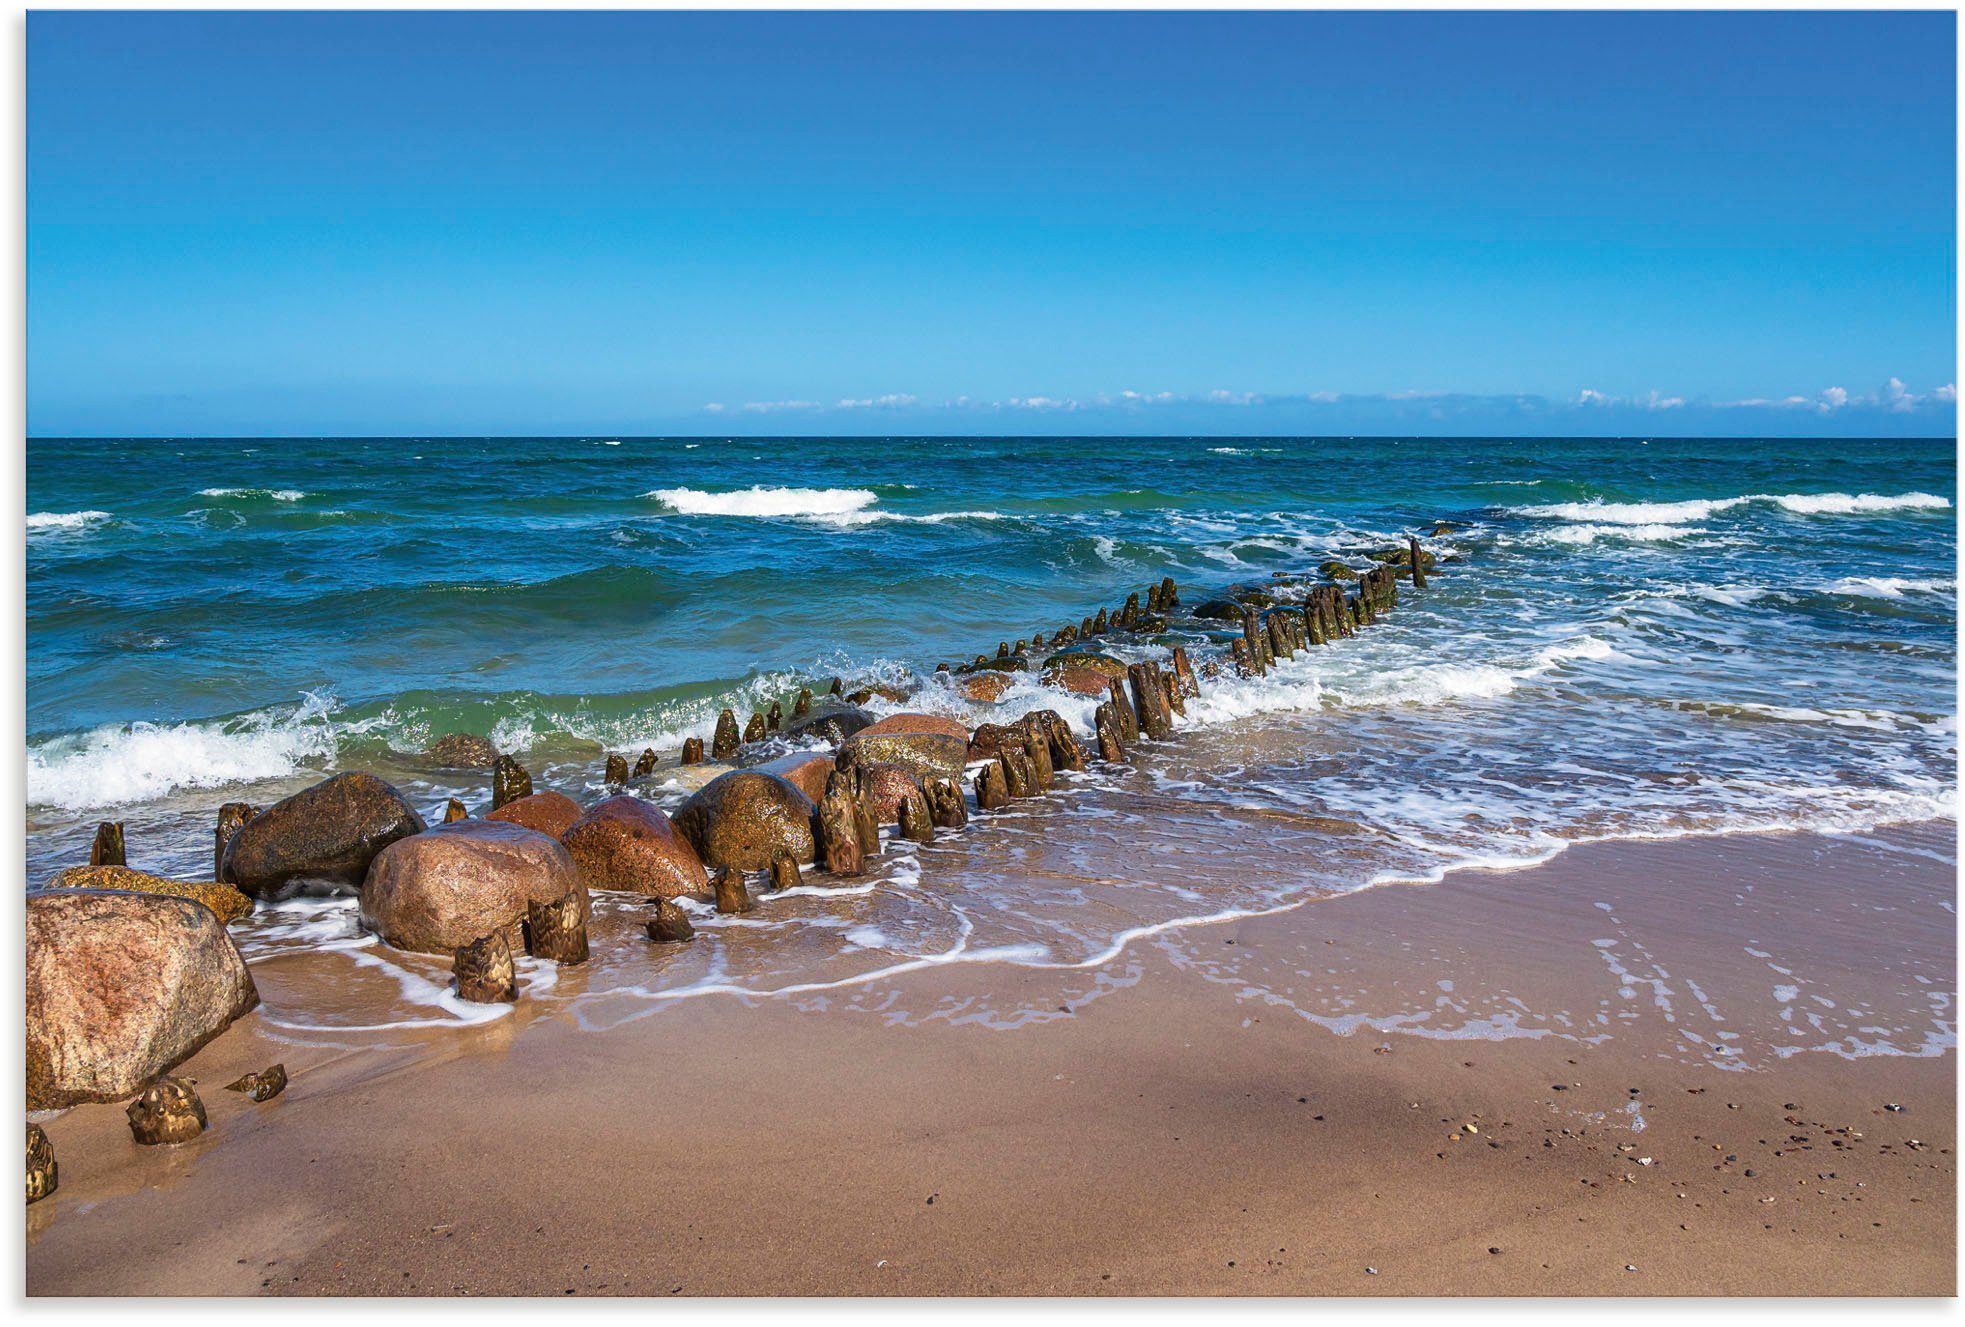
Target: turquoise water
(1633,638)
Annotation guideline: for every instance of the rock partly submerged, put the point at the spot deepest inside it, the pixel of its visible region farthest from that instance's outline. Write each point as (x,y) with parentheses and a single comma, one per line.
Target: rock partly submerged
(228,903)
(442,889)
(324,836)
(630,845)
(552,814)
(745,818)
(121,988)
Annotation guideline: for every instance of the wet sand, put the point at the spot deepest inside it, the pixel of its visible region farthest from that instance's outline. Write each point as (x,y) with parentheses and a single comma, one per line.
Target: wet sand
(1642,1068)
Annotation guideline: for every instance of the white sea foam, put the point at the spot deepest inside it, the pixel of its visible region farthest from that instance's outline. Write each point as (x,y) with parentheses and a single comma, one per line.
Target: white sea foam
(64,520)
(1646,533)
(762,501)
(1699,509)
(1888,587)
(276,494)
(137,762)
(850,519)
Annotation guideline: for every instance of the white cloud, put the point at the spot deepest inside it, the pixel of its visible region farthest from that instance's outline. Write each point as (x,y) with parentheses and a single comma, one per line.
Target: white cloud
(1591,396)
(891,401)
(1833,398)
(1041,403)
(1221,396)
(772,407)
(1948,392)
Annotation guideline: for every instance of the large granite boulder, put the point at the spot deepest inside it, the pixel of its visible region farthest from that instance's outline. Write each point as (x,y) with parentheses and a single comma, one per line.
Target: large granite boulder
(627,844)
(1079,681)
(439,890)
(121,988)
(806,771)
(929,745)
(745,818)
(227,902)
(324,835)
(552,814)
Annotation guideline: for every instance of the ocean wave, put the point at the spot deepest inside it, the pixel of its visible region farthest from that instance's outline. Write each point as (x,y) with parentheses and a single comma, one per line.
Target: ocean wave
(1645,533)
(276,494)
(1437,684)
(1700,509)
(1888,587)
(64,520)
(760,500)
(846,520)
(139,762)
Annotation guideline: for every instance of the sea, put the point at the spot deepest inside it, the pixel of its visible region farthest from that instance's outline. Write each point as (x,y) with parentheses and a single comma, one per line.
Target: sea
(1631,638)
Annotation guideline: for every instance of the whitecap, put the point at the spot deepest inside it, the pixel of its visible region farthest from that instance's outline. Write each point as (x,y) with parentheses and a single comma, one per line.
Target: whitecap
(760,500)
(64,520)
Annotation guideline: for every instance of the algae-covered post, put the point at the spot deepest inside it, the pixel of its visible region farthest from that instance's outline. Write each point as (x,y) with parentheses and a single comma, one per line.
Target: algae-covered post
(723,744)
(107,850)
(484,970)
(509,782)
(558,930)
(1418,562)
(616,774)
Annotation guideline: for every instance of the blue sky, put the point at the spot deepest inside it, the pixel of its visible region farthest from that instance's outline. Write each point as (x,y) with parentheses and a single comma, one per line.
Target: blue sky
(649,223)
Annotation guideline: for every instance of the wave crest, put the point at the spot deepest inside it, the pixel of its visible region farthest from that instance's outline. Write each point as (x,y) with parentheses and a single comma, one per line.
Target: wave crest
(760,500)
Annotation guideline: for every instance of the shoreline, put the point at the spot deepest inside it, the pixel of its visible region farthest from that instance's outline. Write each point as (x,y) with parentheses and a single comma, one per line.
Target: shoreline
(1150,1123)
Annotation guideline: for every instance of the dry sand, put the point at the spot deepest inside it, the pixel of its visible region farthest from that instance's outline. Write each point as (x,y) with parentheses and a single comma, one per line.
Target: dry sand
(1414,1090)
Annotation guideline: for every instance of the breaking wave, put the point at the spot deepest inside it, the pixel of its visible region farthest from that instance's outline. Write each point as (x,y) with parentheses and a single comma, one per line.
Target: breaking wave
(64,520)
(1699,509)
(759,500)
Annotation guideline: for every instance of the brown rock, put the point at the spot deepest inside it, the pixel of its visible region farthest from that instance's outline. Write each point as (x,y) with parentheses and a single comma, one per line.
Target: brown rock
(454,811)
(327,834)
(884,789)
(227,902)
(509,782)
(754,730)
(915,821)
(692,750)
(462,751)
(784,873)
(168,1111)
(745,818)
(121,988)
(928,744)
(644,764)
(806,771)
(833,724)
(1078,681)
(630,845)
(484,970)
(985,688)
(616,774)
(448,886)
(552,814)
(803,705)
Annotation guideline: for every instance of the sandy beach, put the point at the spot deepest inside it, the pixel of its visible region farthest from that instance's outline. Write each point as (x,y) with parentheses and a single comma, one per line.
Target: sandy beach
(1653,1068)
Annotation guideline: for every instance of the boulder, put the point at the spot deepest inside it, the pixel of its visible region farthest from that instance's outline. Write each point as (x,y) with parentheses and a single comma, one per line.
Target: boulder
(929,745)
(462,751)
(327,834)
(1093,660)
(629,845)
(885,788)
(552,814)
(439,890)
(832,724)
(985,688)
(1078,681)
(121,988)
(692,777)
(1002,663)
(1337,571)
(806,771)
(745,818)
(227,902)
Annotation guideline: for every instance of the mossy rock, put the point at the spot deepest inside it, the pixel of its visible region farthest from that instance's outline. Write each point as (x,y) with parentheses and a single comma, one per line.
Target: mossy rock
(1337,571)
(1014,663)
(227,902)
(1252,597)
(1220,610)
(1091,659)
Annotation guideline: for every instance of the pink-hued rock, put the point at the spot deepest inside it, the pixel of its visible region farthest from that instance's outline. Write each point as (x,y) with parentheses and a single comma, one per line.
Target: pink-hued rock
(552,814)
(915,723)
(324,835)
(120,989)
(627,844)
(448,886)
(806,771)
